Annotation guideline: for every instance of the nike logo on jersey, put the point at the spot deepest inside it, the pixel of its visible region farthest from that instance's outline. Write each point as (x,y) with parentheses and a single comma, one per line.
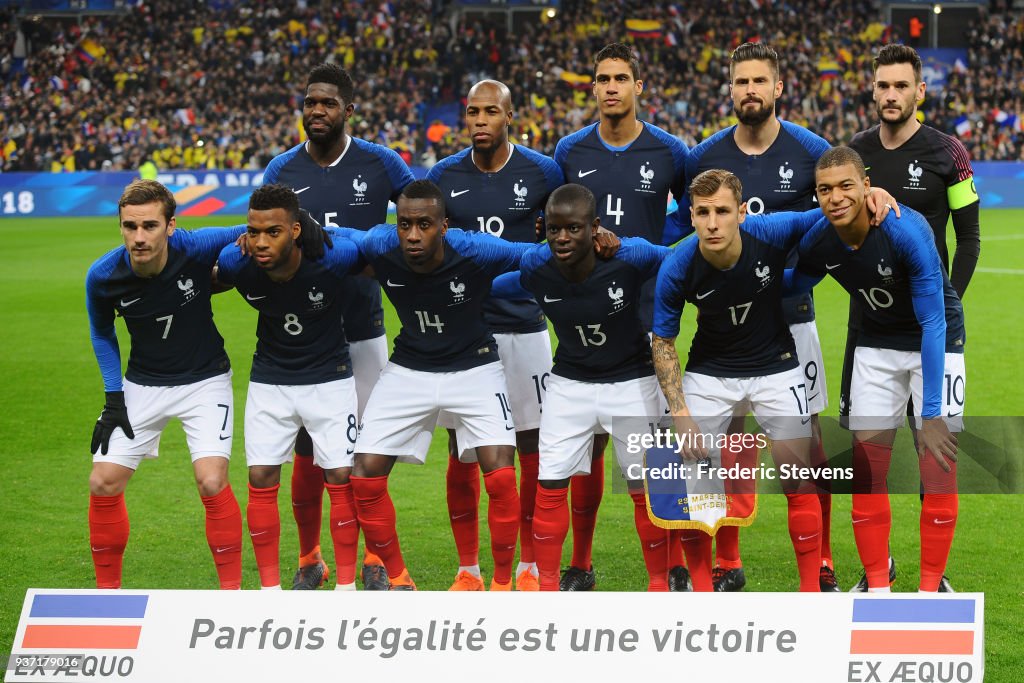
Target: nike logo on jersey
(584,174)
(549,300)
(393,284)
(705,295)
(831,267)
(460,192)
(126,304)
(249,297)
(303,189)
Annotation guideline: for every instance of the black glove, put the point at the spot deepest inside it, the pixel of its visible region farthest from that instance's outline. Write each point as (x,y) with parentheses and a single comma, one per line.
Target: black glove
(313,238)
(114,415)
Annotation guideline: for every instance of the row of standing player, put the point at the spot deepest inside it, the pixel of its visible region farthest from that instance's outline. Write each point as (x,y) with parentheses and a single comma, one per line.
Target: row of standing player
(332,158)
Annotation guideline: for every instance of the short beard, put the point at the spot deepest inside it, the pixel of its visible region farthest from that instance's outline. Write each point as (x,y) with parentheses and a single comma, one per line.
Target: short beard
(904,116)
(328,138)
(754,118)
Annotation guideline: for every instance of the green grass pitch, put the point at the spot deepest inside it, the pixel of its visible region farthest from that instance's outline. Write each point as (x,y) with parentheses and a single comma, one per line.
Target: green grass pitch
(52,394)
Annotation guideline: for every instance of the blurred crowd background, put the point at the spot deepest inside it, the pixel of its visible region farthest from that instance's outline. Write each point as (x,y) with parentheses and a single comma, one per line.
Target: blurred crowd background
(219,85)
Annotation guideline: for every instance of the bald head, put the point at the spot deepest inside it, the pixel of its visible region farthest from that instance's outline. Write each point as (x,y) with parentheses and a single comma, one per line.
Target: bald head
(488,116)
(492,89)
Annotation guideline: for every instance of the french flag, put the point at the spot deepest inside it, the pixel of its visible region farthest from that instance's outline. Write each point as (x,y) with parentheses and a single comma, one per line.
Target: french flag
(85,622)
(924,626)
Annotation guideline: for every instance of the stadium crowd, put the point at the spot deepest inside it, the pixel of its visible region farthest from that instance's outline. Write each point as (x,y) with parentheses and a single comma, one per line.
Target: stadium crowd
(219,85)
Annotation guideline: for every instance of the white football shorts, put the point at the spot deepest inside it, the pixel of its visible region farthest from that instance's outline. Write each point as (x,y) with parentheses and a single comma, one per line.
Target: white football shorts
(369,357)
(808,352)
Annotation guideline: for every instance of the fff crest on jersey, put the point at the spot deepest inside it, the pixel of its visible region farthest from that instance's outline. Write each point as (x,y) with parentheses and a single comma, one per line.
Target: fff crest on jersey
(785,177)
(914,173)
(458,291)
(316,299)
(617,296)
(886,273)
(521,191)
(185,285)
(646,177)
(764,274)
(359,186)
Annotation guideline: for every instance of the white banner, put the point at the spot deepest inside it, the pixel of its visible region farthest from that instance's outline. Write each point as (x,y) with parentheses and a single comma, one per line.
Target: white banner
(250,636)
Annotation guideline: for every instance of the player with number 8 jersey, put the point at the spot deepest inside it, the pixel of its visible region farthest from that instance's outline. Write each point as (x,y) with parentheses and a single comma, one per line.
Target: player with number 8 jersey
(301,372)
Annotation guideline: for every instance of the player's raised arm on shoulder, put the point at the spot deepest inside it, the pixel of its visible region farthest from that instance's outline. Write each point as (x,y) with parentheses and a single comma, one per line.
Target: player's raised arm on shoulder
(493,253)
(510,286)
(205,244)
(644,256)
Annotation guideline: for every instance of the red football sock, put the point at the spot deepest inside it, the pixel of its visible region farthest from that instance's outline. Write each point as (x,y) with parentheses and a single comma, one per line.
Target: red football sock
(502,519)
(224,534)
(376,514)
(675,549)
(939,510)
(819,459)
(586,499)
(108,536)
(463,484)
(550,527)
(307,501)
(872,517)
(805,532)
(653,544)
(697,546)
(344,532)
(727,539)
(529,465)
(265,531)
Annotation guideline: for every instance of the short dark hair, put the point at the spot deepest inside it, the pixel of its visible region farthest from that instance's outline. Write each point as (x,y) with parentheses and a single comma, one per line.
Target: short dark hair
(619,51)
(333,75)
(424,189)
(894,53)
(275,196)
(748,52)
(711,181)
(573,193)
(841,156)
(140,192)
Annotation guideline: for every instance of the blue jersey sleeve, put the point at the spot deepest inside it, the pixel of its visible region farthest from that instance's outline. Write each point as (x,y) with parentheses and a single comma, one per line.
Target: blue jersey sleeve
(510,286)
(101,323)
(795,283)
(642,255)
(669,293)
(344,257)
(229,264)
(929,309)
(205,244)
(273,171)
(492,253)
(814,144)
(782,230)
(807,261)
(397,170)
(566,144)
(378,240)
(914,243)
(552,171)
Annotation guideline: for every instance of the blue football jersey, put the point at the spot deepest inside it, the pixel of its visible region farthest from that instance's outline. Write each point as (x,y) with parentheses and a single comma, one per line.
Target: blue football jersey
(897,262)
(299,334)
(740,330)
(505,204)
(443,329)
(169,317)
(781,179)
(354,191)
(600,335)
(631,184)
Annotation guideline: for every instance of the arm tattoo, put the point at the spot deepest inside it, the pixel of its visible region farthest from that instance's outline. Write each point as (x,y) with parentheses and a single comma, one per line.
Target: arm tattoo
(670,377)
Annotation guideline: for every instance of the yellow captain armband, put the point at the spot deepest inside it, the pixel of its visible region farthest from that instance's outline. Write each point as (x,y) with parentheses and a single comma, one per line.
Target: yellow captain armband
(961,194)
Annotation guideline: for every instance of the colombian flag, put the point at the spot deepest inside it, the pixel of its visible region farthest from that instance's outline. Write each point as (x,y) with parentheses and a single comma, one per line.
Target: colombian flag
(643,28)
(85,622)
(578,81)
(828,68)
(89,51)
